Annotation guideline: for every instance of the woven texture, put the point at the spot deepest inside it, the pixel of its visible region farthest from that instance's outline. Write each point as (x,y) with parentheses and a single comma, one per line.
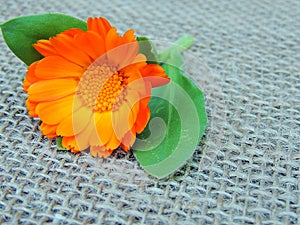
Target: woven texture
(246,169)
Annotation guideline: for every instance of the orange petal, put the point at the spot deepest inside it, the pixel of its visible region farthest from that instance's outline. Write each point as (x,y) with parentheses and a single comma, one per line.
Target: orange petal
(113,143)
(140,59)
(123,54)
(135,79)
(100,151)
(54,112)
(138,85)
(31,106)
(112,39)
(143,116)
(72,32)
(134,111)
(70,143)
(128,140)
(136,65)
(132,97)
(99,25)
(53,67)
(129,36)
(45,48)
(121,51)
(26,85)
(137,98)
(83,138)
(133,101)
(103,129)
(66,47)
(144,102)
(49,90)
(75,122)
(122,120)
(48,130)
(146,92)
(91,43)
(30,76)
(155,74)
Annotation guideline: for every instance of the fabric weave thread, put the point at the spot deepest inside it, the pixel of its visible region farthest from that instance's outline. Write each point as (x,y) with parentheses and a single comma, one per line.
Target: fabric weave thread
(246,170)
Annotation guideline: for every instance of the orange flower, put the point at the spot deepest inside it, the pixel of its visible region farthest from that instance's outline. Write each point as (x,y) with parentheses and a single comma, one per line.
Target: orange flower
(92,88)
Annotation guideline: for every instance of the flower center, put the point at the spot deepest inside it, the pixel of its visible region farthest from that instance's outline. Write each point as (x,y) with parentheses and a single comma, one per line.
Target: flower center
(102,88)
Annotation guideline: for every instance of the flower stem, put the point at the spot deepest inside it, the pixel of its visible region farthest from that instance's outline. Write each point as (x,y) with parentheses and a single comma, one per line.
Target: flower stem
(184,42)
(172,55)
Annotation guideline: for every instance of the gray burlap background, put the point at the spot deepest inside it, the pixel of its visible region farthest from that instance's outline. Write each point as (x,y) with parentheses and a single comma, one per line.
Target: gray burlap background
(246,170)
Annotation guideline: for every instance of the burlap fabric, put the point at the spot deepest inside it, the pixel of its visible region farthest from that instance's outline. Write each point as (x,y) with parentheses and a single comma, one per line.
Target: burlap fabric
(246,170)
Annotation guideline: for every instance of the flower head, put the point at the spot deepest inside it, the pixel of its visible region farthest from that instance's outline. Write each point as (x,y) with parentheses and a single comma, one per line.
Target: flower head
(92,88)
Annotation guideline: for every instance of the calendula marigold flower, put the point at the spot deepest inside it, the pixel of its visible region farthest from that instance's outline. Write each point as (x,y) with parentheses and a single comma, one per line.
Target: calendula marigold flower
(92,88)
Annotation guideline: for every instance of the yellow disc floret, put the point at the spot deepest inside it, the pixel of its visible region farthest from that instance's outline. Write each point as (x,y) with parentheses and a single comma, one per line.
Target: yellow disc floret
(102,88)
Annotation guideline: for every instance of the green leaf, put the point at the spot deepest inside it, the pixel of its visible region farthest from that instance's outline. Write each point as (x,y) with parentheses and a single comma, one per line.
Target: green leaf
(59,144)
(146,47)
(150,148)
(20,33)
(177,123)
